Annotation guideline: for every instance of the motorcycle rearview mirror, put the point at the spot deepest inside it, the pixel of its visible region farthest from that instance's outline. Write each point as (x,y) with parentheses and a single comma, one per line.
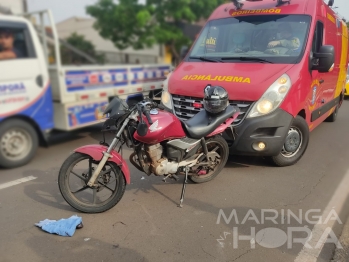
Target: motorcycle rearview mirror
(116,105)
(142,129)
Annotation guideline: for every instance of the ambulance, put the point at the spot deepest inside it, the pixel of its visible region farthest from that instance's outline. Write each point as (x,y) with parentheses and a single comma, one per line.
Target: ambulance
(283,63)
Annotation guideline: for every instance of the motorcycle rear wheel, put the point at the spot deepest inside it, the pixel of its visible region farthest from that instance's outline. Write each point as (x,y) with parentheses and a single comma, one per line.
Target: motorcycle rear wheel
(220,146)
(104,184)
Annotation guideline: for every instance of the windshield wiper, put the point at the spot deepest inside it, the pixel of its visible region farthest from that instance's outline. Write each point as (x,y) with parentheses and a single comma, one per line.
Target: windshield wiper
(246,58)
(202,58)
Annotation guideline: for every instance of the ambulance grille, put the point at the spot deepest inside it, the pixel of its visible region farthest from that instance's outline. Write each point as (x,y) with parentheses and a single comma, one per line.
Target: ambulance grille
(184,109)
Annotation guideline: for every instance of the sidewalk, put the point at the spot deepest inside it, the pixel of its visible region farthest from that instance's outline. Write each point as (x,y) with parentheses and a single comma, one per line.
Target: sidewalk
(342,255)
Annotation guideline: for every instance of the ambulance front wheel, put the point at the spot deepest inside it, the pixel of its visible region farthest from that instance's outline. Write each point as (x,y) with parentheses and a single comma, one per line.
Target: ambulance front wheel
(18,143)
(295,145)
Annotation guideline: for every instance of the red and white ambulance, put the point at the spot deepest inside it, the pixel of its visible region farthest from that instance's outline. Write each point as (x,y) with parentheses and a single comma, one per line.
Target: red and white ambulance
(284,64)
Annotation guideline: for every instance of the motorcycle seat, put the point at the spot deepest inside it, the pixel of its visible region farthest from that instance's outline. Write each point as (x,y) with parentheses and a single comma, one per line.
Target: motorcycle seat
(203,123)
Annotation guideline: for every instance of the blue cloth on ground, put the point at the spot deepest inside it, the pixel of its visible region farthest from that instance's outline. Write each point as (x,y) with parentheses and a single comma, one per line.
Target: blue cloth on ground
(62,227)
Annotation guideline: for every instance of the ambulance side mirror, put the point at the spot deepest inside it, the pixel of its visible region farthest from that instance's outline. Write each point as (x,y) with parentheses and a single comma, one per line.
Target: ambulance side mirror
(323,61)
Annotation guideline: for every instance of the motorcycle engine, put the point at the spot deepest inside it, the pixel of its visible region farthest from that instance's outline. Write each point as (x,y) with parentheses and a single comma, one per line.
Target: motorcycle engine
(159,164)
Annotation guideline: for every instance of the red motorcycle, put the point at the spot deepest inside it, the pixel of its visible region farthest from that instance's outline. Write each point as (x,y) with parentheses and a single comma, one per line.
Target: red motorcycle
(162,145)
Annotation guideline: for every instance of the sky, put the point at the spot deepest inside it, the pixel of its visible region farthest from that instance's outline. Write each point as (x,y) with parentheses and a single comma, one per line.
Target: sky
(343,8)
(63,9)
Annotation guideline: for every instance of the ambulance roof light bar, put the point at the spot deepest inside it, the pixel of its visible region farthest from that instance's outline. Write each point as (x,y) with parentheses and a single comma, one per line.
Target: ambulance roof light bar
(237,4)
(282,2)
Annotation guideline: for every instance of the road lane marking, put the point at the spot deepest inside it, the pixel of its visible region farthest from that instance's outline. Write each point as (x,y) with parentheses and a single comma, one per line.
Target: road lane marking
(16,182)
(337,202)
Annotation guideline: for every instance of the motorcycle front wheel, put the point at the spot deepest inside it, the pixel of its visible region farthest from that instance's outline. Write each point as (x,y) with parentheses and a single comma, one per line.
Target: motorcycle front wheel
(74,175)
(204,174)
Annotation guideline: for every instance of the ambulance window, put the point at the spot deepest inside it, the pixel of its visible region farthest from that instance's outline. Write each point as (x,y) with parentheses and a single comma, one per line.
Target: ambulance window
(318,37)
(250,37)
(15,41)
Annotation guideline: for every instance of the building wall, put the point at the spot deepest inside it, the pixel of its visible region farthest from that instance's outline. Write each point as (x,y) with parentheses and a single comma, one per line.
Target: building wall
(84,26)
(16,6)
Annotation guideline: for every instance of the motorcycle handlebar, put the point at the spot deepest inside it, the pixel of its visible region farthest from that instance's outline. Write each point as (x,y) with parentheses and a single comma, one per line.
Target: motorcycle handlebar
(147,114)
(141,107)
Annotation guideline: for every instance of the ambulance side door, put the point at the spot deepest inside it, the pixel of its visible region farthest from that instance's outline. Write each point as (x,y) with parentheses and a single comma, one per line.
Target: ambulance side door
(318,81)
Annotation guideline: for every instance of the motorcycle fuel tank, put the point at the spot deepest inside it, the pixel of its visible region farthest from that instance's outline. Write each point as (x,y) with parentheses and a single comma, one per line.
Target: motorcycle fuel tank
(165,127)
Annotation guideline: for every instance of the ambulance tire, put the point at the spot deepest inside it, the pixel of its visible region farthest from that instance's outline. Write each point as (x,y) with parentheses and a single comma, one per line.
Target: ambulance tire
(298,130)
(22,133)
(332,118)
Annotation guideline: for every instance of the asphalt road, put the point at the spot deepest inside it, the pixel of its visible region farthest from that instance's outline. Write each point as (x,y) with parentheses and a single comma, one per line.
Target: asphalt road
(147,225)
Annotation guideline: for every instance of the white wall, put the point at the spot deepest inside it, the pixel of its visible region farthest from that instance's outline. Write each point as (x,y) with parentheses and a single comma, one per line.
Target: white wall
(16,6)
(84,26)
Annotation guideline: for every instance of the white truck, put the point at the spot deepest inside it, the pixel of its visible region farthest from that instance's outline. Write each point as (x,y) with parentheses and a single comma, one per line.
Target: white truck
(38,94)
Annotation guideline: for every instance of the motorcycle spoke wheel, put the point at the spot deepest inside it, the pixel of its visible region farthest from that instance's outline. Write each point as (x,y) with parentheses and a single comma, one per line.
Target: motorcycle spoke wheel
(216,145)
(106,193)
(89,195)
(78,176)
(81,189)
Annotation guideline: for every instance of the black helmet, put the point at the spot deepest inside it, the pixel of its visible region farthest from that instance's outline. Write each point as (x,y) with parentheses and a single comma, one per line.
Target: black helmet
(216,99)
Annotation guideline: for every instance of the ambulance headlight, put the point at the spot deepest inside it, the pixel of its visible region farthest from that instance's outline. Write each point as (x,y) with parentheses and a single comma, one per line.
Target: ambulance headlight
(166,98)
(264,107)
(272,98)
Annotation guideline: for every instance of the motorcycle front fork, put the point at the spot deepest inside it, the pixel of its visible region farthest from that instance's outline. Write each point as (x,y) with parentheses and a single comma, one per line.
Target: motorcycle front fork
(107,155)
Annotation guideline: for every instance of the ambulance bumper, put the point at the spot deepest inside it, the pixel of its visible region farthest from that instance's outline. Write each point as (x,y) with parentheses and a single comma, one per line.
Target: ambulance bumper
(262,136)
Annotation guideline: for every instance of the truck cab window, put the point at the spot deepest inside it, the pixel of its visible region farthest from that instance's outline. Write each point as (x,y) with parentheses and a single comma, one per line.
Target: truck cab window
(12,44)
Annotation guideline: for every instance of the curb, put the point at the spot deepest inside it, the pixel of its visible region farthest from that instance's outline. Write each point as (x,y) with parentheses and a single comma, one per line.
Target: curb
(342,255)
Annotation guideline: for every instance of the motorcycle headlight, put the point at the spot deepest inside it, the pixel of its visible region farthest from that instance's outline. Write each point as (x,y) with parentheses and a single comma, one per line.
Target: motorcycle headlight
(272,98)
(166,98)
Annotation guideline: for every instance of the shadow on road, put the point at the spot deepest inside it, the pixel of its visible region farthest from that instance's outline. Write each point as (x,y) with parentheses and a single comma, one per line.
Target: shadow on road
(41,192)
(58,137)
(236,161)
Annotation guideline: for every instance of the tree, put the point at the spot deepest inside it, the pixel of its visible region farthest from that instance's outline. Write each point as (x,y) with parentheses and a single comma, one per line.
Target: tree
(131,24)
(79,42)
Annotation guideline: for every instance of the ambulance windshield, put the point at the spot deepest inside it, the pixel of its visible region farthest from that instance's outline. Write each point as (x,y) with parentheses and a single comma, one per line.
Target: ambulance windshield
(272,39)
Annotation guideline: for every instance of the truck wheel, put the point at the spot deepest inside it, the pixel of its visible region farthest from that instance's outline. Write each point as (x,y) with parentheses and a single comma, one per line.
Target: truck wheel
(332,118)
(18,143)
(295,145)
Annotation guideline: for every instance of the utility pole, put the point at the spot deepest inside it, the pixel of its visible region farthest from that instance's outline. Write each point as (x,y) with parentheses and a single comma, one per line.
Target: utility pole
(25,6)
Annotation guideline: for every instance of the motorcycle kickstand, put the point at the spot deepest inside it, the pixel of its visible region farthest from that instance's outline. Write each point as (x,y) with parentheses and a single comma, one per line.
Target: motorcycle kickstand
(183,188)
(165,178)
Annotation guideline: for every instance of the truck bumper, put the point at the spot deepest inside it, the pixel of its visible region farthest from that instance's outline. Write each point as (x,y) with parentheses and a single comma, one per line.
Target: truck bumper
(271,130)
